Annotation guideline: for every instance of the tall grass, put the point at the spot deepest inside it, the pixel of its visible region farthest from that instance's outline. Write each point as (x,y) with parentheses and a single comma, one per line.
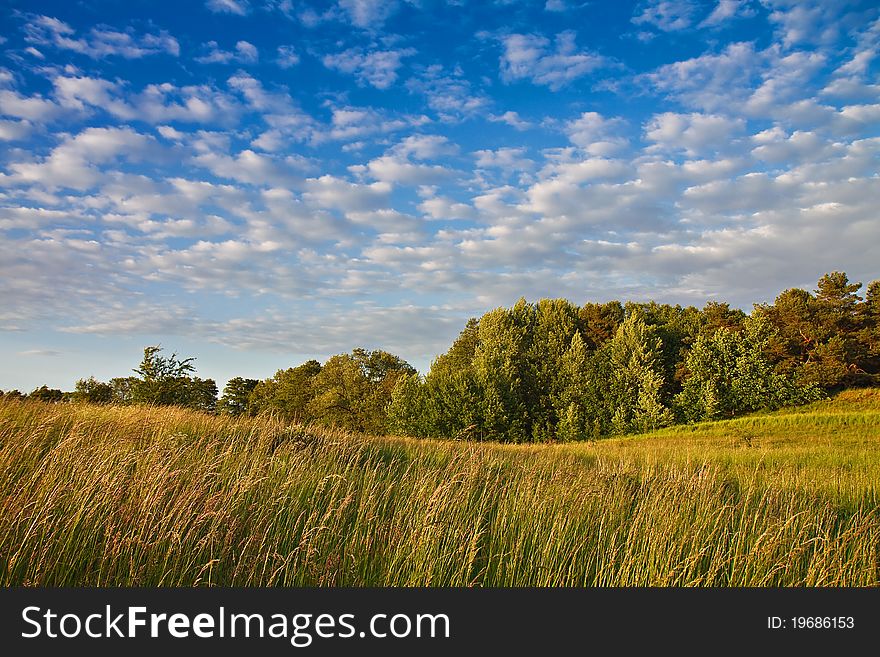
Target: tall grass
(145,497)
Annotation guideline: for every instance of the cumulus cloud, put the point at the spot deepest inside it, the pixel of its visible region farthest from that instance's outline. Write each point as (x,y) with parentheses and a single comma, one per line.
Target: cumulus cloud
(368,14)
(508,159)
(596,134)
(74,162)
(351,123)
(726,10)
(100,42)
(666,15)
(255,168)
(449,93)
(244,53)
(394,168)
(805,21)
(693,133)
(512,119)
(710,82)
(377,67)
(332,192)
(237,7)
(287,57)
(530,56)
(156,103)
(15,130)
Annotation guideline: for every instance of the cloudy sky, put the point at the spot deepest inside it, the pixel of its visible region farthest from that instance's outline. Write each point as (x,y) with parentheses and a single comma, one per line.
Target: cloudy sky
(257,182)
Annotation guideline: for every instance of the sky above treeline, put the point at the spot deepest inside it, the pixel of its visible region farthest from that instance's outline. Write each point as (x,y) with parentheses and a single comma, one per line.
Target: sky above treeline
(259,182)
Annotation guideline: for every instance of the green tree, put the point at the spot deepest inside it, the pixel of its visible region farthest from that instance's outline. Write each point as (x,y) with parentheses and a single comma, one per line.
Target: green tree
(166,381)
(200,394)
(123,389)
(92,391)
(729,373)
(636,378)
(505,373)
(46,394)
(406,410)
(355,390)
(572,408)
(236,396)
(287,394)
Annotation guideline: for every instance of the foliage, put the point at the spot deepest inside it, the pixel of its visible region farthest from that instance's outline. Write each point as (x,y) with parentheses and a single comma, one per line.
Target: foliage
(92,391)
(555,371)
(236,396)
(47,394)
(166,381)
(636,381)
(730,374)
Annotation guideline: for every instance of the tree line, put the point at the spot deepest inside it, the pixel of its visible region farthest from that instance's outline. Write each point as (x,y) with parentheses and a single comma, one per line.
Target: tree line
(553,370)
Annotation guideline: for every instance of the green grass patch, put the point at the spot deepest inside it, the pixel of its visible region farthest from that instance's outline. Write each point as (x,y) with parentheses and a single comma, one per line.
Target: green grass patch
(165,497)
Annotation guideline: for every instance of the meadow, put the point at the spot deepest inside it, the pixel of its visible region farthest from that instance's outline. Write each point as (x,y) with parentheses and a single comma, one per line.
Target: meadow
(159,496)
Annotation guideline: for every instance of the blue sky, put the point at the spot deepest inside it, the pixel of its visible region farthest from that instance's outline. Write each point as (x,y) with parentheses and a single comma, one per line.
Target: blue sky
(258,182)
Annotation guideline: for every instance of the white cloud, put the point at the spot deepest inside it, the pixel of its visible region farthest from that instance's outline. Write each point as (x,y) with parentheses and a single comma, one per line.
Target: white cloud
(377,68)
(15,130)
(805,21)
(73,163)
(101,41)
(331,192)
(244,53)
(596,134)
(156,103)
(710,82)
(799,147)
(287,57)
(446,209)
(529,56)
(255,168)
(368,14)
(353,123)
(512,119)
(450,94)
(725,10)
(397,169)
(79,92)
(666,15)
(237,7)
(508,159)
(32,108)
(693,133)
(424,147)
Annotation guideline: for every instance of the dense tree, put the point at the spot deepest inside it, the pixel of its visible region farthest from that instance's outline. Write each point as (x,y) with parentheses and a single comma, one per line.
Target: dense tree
(354,390)
(599,322)
(636,379)
(46,394)
(123,389)
(236,396)
(826,338)
(161,379)
(555,371)
(166,381)
(287,394)
(92,391)
(572,406)
(730,374)
(200,394)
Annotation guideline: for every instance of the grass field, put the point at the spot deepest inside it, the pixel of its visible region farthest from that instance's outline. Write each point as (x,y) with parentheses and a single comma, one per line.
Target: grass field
(138,496)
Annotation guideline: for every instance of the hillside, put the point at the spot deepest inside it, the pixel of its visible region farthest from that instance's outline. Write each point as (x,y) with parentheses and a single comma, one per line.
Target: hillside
(95,495)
